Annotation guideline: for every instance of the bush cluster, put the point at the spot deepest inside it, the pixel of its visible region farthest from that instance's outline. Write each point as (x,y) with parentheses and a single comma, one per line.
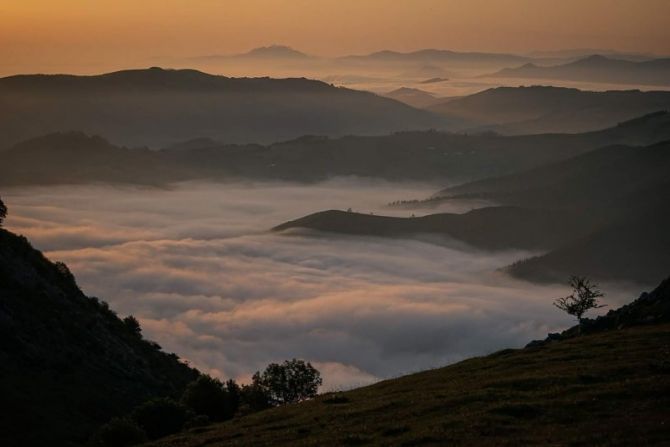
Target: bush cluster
(207,400)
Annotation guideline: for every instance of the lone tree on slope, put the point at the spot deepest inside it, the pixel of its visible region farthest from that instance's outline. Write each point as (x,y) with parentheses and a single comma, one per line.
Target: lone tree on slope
(584,297)
(290,382)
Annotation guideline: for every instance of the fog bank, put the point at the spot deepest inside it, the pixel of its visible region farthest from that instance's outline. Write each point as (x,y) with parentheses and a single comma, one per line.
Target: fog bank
(197,266)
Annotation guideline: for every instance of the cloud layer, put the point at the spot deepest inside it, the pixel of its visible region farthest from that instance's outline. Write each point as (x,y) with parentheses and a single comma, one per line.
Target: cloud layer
(196,265)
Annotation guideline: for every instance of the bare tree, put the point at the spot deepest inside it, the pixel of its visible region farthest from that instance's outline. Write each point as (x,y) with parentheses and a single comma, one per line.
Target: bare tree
(584,297)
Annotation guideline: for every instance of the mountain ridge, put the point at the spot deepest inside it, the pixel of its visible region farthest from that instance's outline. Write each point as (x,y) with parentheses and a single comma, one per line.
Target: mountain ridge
(597,68)
(542,109)
(425,156)
(158,107)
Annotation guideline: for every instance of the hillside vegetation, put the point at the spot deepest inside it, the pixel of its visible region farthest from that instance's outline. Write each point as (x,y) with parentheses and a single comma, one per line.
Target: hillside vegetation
(74,157)
(610,387)
(68,363)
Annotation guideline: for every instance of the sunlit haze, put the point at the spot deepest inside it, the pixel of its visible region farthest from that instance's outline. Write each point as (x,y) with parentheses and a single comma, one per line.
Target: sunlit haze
(91,36)
(334,222)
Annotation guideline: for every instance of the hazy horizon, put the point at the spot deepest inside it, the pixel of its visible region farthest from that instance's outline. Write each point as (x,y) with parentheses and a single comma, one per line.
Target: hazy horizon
(82,37)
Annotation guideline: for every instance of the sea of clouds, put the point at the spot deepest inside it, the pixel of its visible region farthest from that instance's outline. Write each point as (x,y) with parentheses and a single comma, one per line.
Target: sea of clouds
(197,266)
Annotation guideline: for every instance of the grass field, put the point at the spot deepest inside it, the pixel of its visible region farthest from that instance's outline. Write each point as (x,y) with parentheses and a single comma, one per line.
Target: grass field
(610,388)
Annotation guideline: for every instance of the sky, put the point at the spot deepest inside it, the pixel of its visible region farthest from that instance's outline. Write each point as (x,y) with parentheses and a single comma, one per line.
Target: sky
(85,35)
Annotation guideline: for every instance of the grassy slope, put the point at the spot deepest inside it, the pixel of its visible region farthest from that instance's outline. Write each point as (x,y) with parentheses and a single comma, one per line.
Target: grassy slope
(611,388)
(492,228)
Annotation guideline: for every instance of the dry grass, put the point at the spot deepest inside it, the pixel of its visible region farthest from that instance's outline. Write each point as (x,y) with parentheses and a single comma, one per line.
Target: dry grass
(611,388)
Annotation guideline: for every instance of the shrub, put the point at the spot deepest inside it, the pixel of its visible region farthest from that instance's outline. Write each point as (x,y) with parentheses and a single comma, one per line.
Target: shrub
(254,397)
(160,417)
(119,432)
(197,421)
(208,396)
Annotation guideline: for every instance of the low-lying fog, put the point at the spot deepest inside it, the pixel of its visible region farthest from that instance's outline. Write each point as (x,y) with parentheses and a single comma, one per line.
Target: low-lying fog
(196,265)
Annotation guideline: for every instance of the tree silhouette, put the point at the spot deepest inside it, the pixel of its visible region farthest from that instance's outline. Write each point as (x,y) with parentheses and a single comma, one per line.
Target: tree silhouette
(210,397)
(292,381)
(133,325)
(3,211)
(584,297)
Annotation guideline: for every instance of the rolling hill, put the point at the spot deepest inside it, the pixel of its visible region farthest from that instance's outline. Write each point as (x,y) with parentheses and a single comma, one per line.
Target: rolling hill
(627,187)
(606,177)
(274,52)
(492,228)
(413,97)
(426,156)
(609,387)
(636,248)
(543,109)
(471,59)
(270,53)
(597,68)
(602,214)
(158,107)
(68,363)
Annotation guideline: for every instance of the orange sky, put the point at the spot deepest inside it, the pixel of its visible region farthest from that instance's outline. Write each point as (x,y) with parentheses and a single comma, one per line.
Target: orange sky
(93,35)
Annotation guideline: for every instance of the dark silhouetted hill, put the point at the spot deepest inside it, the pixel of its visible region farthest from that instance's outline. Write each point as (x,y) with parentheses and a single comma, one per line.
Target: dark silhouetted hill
(542,109)
(75,158)
(434,156)
(413,97)
(470,59)
(67,362)
(581,53)
(626,189)
(603,214)
(493,228)
(158,107)
(635,248)
(275,51)
(270,53)
(194,143)
(597,68)
(606,177)
(609,387)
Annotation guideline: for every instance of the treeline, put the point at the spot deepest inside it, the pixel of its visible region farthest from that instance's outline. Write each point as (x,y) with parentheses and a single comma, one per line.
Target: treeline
(208,400)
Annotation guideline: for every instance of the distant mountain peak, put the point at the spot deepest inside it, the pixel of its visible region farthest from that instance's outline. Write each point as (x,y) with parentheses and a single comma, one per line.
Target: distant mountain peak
(407,90)
(597,59)
(276,51)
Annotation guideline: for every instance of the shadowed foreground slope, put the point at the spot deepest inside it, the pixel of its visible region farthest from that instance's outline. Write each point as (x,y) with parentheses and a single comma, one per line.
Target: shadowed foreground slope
(67,362)
(610,387)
